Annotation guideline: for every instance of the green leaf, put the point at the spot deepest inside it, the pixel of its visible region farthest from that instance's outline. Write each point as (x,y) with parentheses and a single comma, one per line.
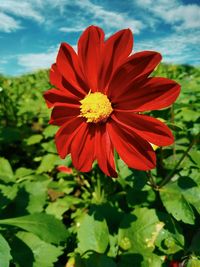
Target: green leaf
(93,234)
(170,239)
(7,194)
(50,131)
(49,146)
(63,186)
(113,248)
(152,260)
(139,230)
(195,155)
(124,171)
(176,203)
(23,172)
(6,172)
(44,254)
(193,262)
(34,139)
(66,162)
(136,179)
(58,207)
(45,226)
(190,188)
(47,164)
(175,127)
(140,197)
(21,253)
(5,256)
(37,195)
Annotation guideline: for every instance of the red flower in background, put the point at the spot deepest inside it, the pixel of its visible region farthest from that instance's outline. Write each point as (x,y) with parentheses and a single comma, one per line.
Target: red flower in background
(65,169)
(98,98)
(174,264)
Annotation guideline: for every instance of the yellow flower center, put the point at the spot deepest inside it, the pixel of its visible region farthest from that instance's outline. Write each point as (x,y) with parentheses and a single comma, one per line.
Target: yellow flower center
(95,107)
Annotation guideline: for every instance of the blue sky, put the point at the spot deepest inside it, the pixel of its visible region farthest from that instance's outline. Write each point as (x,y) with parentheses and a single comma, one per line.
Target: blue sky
(31,30)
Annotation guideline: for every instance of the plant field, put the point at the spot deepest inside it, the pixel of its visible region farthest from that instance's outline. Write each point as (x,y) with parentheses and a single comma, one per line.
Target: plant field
(53,218)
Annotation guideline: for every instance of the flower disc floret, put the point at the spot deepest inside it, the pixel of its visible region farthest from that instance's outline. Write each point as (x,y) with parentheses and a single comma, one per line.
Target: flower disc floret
(95,107)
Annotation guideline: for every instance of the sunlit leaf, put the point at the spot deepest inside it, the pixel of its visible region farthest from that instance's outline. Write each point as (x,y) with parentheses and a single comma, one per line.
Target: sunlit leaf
(47,164)
(138,231)
(176,204)
(5,256)
(6,172)
(45,226)
(93,234)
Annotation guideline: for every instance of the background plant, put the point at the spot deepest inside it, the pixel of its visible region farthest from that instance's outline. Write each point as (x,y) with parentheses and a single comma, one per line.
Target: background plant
(49,218)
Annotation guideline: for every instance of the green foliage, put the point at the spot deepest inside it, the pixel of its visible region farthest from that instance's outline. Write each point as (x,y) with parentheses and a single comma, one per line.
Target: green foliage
(4,252)
(98,232)
(6,173)
(49,218)
(44,254)
(44,226)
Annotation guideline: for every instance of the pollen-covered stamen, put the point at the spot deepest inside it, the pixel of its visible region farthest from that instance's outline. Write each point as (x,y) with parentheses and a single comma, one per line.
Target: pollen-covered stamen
(95,107)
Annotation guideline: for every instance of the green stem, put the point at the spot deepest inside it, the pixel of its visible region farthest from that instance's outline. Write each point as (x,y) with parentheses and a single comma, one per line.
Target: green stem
(151,180)
(172,121)
(98,191)
(171,174)
(116,163)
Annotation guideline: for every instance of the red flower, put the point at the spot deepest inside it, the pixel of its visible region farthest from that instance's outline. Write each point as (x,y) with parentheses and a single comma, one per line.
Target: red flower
(100,93)
(64,169)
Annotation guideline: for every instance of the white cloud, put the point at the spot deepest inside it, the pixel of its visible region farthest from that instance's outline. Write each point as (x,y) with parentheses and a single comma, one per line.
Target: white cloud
(189,16)
(8,24)
(21,9)
(181,16)
(71,29)
(175,48)
(3,60)
(83,12)
(35,61)
(109,19)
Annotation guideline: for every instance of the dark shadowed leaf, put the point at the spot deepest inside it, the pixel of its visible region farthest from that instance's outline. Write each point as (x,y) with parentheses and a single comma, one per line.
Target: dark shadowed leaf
(98,260)
(44,254)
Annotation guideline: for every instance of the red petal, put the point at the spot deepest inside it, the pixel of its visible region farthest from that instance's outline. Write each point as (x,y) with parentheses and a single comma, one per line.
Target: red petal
(65,135)
(61,83)
(61,113)
(137,67)
(151,129)
(54,96)
(152,94)
(68,66)
(116,49)
(104,151)
(134,151)
(89,52)
(55,77)
(82,148)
